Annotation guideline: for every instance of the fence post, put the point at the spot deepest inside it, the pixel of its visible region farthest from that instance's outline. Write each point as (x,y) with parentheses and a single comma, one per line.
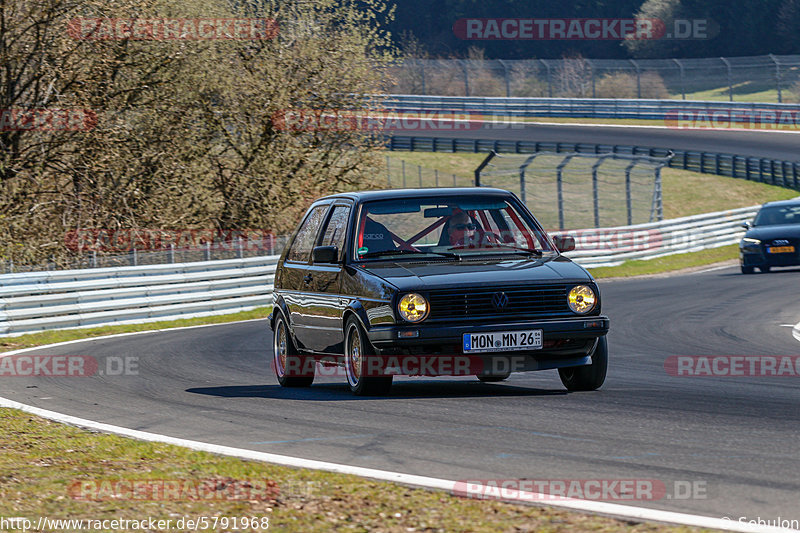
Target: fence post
(436,175)
(422,74)
(134,259)
(239,248)
(683,88)
(638,79)
(466,76)
(171,253)
(595,193)
(419,170)
(480,168)
(628,196)
(389,171)
(730,78)
(505,74)
(777,77)
(94,258)
(549,79)
(594,80)
(207,251)
(403,164)
(560,188)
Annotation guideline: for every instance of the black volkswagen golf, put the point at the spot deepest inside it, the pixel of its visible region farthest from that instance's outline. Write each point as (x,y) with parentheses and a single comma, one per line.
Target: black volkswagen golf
(432,282)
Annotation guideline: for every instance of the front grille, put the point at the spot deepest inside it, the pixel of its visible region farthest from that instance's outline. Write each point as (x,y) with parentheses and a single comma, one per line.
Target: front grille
(523,302)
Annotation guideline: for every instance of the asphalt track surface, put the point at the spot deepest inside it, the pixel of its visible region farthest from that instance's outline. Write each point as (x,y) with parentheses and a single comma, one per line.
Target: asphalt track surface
(759,143)
(738,437)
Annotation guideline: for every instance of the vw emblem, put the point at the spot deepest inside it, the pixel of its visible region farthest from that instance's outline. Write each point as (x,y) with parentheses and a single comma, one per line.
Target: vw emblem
(499,300)
(780,242)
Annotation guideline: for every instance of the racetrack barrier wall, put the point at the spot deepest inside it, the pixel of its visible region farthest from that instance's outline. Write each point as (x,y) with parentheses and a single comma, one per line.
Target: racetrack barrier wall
(38,301)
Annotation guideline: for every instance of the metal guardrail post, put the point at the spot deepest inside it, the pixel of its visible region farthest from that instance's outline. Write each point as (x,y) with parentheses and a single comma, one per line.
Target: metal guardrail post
(239,248)
(171,253)
(134,259)
(208,251)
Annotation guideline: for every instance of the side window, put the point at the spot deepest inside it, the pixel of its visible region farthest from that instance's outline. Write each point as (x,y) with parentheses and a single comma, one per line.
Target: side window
(337,227)
(304,242)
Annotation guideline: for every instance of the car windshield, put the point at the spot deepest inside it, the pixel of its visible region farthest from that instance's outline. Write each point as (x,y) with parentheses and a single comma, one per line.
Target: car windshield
(436,227)
(778,215)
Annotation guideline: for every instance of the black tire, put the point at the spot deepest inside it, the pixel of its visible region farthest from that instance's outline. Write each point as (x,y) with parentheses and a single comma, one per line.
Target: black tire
(357,351)
(590,377)
(747,270)
(285,355)
(765,269)
(493,378)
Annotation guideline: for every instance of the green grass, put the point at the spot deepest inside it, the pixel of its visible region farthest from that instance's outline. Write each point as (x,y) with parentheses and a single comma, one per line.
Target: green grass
(669,263)
(52,337)
(41,460)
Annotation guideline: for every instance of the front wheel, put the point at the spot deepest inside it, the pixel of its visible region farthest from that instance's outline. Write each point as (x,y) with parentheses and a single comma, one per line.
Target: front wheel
(289,366)
(747,270)
(357,353)
(588,377)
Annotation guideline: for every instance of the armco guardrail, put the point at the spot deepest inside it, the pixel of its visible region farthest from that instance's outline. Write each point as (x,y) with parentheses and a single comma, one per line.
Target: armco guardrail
(613,246)
(37,301)
(742,112)
(765,170)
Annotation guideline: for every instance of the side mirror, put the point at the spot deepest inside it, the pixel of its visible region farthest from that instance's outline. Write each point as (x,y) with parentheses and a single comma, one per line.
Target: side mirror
(564,243)
(325,254)
(747,225)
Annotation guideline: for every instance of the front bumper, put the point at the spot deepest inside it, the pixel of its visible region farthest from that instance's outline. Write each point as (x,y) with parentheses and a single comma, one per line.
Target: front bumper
(758,257)
(566,341)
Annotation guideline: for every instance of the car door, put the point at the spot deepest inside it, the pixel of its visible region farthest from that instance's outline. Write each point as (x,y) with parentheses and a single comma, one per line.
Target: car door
(327,305)
(296,280)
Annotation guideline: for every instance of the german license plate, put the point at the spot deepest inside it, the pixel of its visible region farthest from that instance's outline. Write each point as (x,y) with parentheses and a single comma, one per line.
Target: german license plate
(780,249)
(503,341)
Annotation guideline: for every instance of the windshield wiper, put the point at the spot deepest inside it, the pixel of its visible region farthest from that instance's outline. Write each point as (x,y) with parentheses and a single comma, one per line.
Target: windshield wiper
(531,251)
(403,252)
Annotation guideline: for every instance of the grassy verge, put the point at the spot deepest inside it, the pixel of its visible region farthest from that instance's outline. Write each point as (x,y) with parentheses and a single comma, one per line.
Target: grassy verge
(51,337)
(669,263)
(63,472)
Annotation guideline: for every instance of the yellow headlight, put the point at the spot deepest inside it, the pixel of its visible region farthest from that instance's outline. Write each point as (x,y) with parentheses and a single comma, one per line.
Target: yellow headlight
(581,299)
(413,307)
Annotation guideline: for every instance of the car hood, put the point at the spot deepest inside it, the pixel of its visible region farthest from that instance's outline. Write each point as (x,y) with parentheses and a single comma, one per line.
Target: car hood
(444,274)
(768,233)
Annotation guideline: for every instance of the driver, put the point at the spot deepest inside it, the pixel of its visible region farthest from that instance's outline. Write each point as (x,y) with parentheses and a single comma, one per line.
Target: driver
(461,230)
